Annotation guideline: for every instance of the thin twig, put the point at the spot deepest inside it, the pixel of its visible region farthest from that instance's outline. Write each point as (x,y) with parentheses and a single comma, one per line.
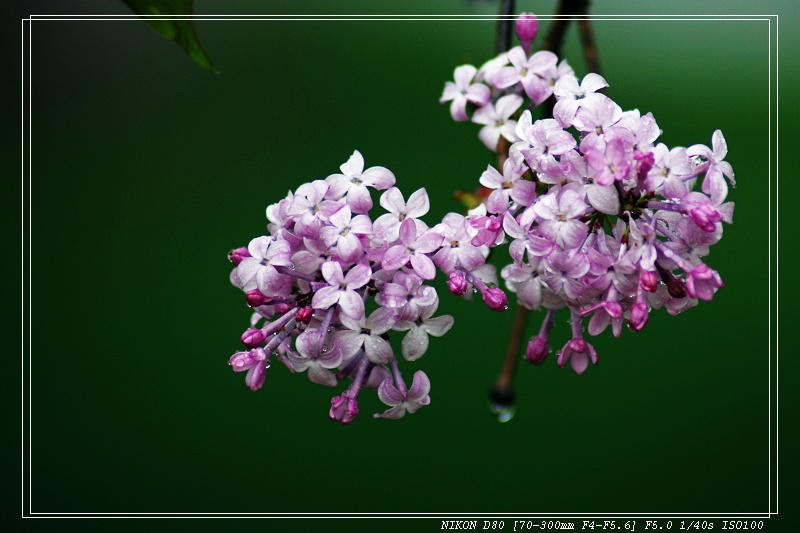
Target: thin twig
(504,24)
(589,45)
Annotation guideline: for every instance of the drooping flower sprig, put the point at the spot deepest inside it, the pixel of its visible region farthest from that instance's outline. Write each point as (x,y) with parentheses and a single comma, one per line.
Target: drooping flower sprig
(600,218)
(328,286)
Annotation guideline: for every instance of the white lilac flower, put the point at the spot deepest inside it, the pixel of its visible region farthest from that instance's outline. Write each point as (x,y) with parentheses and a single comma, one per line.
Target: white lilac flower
(463,91)
(352,183)
(388,226)
(402,401)
(342,289)
(497,120)
(415,342)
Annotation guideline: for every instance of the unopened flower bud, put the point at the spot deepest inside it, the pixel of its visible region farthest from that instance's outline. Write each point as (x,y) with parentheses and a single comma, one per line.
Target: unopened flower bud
(253,337)
(343,408)
(537,350)
(527,27)
(256,298)
(648,280)
(495,299)
(706,216)
(457,283)
(639,316)
(304,314)
(236,256)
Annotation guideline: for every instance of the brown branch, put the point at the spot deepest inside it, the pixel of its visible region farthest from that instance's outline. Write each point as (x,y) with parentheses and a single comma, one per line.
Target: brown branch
(504,24)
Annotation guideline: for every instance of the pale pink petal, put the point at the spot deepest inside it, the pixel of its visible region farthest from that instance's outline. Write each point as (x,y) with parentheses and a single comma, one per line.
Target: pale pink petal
(604,199)
(358,276)
(418,204)
(380,321)
(439,325)
(351,304)
(378,177)
(396,257)
(361,224)
(420,388)
(423,266)
(579,362)
(349,247)
(414,344)
(332,272)
(489,135)
(389,394)
(354,165)
(524,192)
(321,376)
(508,105)
(593,82)
(326,297)
(392,200)
(359,199)
(478,94)
(377,349)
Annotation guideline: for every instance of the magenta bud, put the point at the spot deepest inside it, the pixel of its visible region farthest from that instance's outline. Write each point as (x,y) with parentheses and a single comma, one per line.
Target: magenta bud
(304,314)
(527,28)
(236,256)
(495,299)
(645,164)
(343,408)
(457,283)
(706,217)
(256,298)
(639,315)
(537,350)
(253,337)
(648,280)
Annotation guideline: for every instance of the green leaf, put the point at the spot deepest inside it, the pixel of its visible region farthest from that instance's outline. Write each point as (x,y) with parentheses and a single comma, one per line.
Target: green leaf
(180,31)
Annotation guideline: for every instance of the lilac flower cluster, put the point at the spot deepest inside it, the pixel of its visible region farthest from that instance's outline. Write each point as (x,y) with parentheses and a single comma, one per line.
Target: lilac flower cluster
(601,219)
(310,280)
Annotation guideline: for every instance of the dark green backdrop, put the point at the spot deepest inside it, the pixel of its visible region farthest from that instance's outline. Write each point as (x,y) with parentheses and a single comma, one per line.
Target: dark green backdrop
(147,169)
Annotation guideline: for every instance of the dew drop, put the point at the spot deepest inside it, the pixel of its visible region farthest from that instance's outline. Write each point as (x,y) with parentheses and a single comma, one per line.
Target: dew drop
(504,413)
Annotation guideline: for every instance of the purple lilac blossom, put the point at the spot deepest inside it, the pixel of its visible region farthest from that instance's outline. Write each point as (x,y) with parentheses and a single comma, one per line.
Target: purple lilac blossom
(610,223)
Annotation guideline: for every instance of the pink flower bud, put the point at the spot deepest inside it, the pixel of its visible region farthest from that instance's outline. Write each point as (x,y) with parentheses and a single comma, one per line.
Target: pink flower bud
(343,408)
(236,256)
(706,216)
(648,280)
(495,299)
(457,283)
(256,298)
(639,316)
(537,350)
(253,337)
(527,28)
(304,314)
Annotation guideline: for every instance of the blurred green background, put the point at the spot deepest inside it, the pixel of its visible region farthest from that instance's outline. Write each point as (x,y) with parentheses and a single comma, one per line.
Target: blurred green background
(147,169)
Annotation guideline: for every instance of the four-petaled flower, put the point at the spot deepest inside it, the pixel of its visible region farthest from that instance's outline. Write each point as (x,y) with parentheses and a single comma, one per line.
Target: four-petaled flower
(463,91)
(342,289)
(404,402)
